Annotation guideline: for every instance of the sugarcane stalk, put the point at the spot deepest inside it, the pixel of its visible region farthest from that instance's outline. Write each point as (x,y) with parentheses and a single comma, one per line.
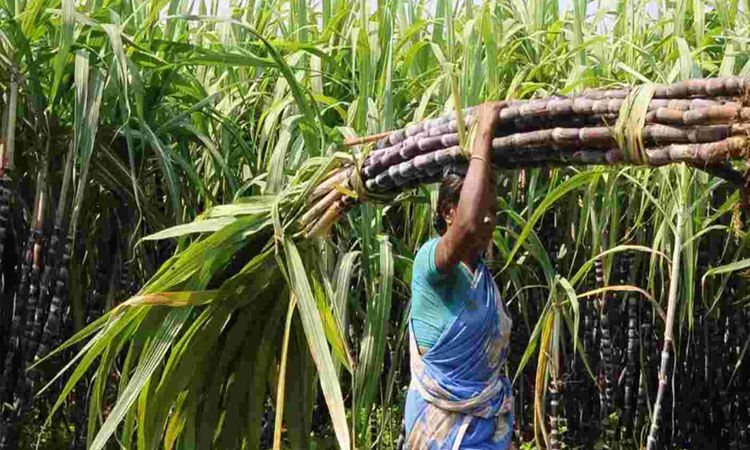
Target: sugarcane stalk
(7,158)
(54,322)
(697,155)
(555,385)
(597,101)
(337,177)
(15,347)
(95,304)
(605,342)
(51,263)
(7,148)
(668,335)
(642,401)
(331,216)
(38,232)
(6,307)
(554,112)
(632,362)
(710,131)
(27,296)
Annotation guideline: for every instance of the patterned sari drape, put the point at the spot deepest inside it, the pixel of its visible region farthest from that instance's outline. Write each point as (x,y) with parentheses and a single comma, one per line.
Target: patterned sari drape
(458,397)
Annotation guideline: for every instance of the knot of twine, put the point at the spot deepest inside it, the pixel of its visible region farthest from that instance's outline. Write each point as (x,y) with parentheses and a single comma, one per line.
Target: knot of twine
(356,182)
(630,123)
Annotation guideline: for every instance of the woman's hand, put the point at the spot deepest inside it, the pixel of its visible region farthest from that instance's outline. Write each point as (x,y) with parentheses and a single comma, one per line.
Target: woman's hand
(488,119)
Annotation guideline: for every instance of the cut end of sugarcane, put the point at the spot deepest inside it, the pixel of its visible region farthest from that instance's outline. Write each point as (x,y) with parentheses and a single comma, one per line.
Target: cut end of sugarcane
(323,226)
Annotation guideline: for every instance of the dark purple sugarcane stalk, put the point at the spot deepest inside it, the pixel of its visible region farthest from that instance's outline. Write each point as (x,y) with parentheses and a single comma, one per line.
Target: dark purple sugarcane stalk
(105,252)
(6,301)
(52,261)
(29,346)
(54,322)
(13,355)
(678,96)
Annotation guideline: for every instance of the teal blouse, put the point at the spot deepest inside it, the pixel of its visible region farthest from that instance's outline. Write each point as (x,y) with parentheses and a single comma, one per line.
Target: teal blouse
(435,298)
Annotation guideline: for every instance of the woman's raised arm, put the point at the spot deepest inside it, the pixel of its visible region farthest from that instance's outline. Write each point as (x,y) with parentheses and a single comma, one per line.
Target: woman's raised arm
(471,223)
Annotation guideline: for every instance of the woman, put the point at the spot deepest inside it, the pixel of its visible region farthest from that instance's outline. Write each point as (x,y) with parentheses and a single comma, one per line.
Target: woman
(459,328)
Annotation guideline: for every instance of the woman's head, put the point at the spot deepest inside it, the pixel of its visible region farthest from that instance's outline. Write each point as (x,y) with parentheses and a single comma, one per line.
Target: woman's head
(447,208)
(448,196)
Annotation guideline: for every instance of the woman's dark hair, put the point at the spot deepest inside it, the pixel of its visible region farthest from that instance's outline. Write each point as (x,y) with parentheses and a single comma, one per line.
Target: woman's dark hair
(448,195)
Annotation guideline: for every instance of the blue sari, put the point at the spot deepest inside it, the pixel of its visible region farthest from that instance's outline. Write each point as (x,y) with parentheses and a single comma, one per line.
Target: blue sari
(458,397)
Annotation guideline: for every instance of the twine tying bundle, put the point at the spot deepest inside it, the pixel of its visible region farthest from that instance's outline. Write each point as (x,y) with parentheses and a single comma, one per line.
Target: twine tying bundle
(630,123)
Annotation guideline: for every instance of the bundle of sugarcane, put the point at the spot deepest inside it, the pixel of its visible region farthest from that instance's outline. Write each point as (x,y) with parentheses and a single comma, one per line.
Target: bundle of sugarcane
(701,122)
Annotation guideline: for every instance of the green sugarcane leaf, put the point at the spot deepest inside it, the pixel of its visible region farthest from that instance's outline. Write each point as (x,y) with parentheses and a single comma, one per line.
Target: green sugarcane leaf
(153,357)
(316,339)
(300,387)
(367,374)
(571,294)
(199,226)
(266,349)
(533,341)
(334,334)
(742,264)
(573,183)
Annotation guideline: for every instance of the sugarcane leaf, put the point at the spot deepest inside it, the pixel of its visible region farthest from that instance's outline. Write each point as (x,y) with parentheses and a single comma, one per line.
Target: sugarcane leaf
(585,267)
(100,381)
(129,423)
(581,353)
(685,61)
(258,375)
(220,372)
(188,353)
(534,245)
(257,205)
(79,336)
(165,163)
(88,354)
(276,164)
(197,264)
(334,334)
(176,423)
(115,41)
(573,298)
(199,226)
(542,374)
(317,342)
(300,390)
(742,264)
(153,357)
(533,342)
(282,380)
(216,155)
(66,41)
(740,358)
(626,288)
(573,183)
(343,276)
(367,373)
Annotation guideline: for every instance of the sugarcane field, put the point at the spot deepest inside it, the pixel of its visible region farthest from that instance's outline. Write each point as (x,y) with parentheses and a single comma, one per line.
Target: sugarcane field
(374,225)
